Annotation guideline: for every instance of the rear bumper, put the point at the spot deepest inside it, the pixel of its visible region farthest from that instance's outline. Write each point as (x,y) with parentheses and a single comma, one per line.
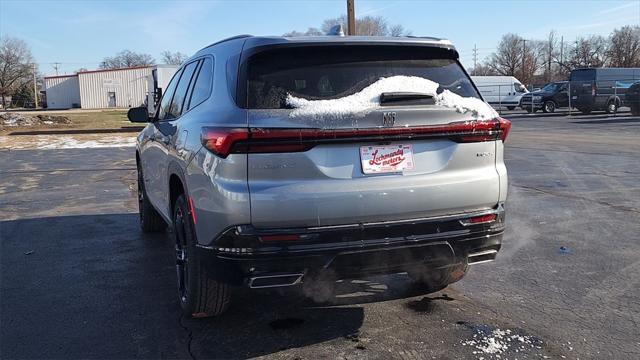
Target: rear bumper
(240,256)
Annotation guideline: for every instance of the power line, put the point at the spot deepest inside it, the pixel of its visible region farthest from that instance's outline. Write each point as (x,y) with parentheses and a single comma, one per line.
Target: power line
(55,66)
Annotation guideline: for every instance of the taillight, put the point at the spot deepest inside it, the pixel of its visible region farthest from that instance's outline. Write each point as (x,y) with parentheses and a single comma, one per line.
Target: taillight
(220,140)
(505,127)
(224,141)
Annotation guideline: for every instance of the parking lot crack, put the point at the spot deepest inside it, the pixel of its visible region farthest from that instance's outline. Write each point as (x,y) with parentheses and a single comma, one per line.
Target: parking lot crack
(189,336)
(577,197)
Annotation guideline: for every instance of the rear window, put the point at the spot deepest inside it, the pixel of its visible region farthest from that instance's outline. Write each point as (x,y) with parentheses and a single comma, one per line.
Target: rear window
(331,72)
(583,75)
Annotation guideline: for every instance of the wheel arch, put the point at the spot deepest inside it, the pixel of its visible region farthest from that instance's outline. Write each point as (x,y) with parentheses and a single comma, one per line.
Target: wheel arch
(177,185)
(615,98)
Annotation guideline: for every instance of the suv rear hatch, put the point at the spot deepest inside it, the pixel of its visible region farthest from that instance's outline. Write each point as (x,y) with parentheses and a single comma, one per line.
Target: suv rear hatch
(321,153)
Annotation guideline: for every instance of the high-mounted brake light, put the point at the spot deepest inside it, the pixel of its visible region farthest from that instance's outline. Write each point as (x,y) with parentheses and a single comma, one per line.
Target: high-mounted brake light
(224,141)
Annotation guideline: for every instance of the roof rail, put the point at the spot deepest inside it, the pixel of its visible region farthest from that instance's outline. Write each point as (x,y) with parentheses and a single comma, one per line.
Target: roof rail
(228,39)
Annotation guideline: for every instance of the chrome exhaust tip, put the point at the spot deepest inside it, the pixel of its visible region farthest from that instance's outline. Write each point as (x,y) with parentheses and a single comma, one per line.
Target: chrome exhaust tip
(481,257)
(279,280)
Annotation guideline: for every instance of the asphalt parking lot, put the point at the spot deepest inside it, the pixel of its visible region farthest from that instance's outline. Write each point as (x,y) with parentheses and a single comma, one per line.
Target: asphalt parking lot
(79,280)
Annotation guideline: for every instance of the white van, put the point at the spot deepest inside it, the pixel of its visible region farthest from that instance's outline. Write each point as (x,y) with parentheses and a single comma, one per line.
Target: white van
(500,91)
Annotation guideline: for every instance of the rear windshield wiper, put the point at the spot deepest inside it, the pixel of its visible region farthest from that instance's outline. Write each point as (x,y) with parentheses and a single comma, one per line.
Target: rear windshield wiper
(405,98)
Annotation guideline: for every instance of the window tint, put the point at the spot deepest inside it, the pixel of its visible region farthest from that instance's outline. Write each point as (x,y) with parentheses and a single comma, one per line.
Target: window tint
(181,91)
(328,72)
(167,96)
(583,75)
(519,88)
(202,87)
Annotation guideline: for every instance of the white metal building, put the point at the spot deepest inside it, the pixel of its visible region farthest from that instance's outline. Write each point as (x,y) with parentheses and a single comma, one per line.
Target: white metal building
(117,88)
(63,92)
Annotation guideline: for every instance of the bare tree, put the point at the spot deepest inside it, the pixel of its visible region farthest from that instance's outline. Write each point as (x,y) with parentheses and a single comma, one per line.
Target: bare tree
(127,58)
(507,59)
(173,58)
(624,47)
(366,26)
(483,70)
(517,57)
(550,55)
(310,32)
(589,52)
(16,66)
(398,30)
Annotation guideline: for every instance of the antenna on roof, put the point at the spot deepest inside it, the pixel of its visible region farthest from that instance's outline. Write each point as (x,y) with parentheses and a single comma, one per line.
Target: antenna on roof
(336,30)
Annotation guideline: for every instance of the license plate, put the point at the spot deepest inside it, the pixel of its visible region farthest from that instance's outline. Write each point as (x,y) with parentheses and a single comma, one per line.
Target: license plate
(386,159)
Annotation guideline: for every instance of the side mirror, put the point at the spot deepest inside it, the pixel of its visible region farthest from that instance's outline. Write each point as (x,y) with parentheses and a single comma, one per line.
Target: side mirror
(138,115)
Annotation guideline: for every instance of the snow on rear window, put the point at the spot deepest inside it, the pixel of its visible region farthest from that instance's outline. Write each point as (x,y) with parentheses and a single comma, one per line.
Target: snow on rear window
(367,100)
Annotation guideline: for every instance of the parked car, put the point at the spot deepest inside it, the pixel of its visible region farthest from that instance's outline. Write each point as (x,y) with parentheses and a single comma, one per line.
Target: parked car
(500,91)
(601,88)
(633,98)
(262,194)
(548,98)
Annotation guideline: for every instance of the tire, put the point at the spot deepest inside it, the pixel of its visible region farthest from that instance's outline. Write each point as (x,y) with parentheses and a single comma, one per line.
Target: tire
(635,110)
(549,107)
(150,220)
(199,295)
(438,279)
(612,107)
(511,107)
(529,109)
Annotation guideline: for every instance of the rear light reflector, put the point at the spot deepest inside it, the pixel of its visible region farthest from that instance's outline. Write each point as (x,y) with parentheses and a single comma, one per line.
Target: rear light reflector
(482,219)
(271,238)
(224,141)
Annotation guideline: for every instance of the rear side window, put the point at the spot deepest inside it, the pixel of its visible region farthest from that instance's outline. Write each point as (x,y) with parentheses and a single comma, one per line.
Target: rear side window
(165,103)
(583,75)
(331,72)
(202,86)
(181,91)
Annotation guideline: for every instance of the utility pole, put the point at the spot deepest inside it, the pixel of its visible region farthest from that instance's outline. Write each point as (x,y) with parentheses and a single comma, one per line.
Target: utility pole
(35,87)
(549,69)
(56,65)
(561,53)
(475,59)
(351,18)
(524,52)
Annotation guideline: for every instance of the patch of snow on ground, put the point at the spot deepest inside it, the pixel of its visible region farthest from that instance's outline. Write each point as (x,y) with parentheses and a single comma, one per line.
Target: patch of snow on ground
(499,341)
(367,100)
(64,142)
(72,143)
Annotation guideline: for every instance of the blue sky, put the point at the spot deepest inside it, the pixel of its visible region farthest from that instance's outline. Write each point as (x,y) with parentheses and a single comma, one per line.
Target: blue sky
(80,34)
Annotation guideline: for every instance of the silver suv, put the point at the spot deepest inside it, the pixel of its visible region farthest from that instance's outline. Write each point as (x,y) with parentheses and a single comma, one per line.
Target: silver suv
(284,161)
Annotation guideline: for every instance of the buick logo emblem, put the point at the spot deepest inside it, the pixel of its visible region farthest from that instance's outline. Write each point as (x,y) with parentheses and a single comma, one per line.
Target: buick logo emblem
(388,118)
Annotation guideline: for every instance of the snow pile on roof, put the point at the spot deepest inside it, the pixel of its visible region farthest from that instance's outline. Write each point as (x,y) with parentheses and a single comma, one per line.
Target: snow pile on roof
(367,100)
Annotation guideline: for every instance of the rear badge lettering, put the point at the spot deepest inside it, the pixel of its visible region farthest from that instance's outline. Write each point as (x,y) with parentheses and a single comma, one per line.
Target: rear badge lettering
(389,118)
